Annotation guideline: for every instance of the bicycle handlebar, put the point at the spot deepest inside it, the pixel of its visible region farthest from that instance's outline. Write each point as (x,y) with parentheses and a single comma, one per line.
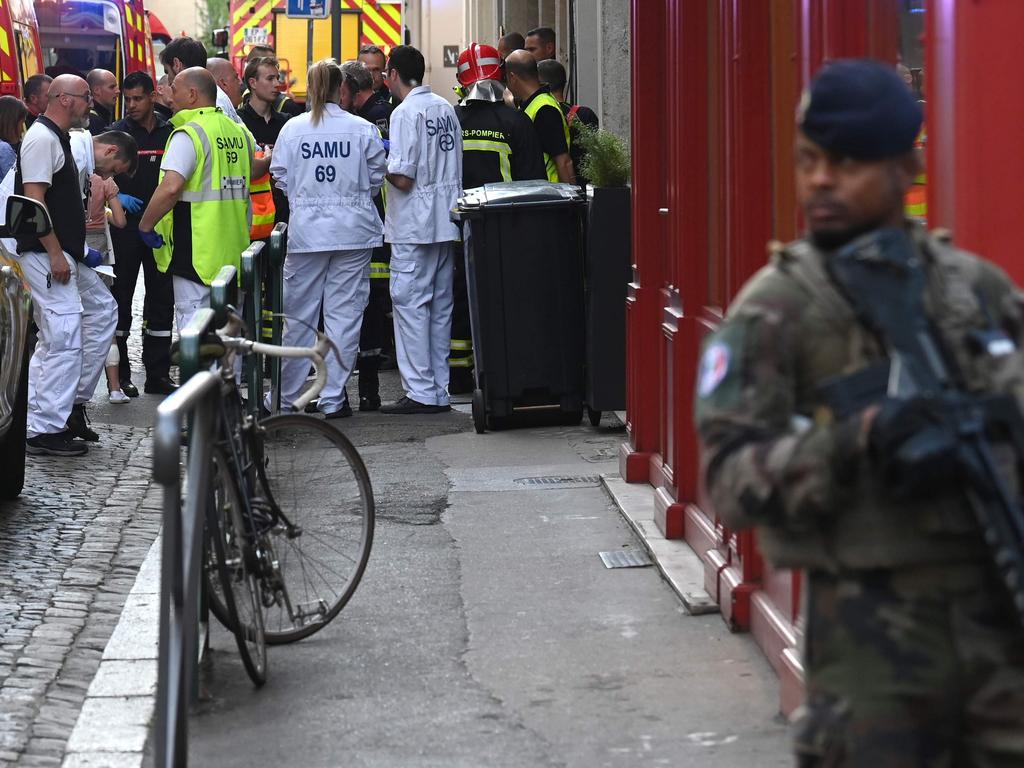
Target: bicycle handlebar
(317,353)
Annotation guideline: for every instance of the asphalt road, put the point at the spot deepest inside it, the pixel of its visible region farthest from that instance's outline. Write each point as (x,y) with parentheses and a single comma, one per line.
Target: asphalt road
(487,632)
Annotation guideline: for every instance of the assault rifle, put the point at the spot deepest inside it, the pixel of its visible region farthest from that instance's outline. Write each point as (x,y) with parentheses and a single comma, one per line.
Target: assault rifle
(882,276)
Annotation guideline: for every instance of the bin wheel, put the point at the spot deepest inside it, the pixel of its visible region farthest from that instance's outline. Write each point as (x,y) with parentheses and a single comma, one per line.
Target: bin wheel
(595,417)
(479,412)
(572,418)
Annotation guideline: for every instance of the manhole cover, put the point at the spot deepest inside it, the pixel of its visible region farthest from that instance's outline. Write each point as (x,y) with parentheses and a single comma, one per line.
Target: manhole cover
(625,558)
(560,481)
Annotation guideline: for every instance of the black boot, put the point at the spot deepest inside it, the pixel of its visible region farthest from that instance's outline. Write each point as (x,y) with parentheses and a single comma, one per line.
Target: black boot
(369,383)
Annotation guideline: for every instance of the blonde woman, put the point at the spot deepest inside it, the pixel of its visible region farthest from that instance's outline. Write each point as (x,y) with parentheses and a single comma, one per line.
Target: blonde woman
(330,164)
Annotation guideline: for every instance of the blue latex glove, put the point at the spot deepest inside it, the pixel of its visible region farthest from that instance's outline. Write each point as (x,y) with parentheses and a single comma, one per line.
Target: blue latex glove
(387,144)
(93,258)
(129,203)
(152,239)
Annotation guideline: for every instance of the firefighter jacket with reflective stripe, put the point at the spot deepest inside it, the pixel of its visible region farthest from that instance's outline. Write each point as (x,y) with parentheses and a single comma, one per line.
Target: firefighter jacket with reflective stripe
(544,99)
(263,209)
(498,144)
(915,204)
(209,225)
(330,172)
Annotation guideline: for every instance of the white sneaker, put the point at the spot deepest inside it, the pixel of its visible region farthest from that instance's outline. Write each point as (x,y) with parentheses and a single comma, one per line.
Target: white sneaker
(117,397)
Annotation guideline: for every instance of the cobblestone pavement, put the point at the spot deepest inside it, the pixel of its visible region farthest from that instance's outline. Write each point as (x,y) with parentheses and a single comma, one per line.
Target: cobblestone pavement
(70,548)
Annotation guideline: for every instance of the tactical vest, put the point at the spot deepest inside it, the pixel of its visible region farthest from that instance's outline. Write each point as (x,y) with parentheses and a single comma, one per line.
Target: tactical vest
(544,99)
(263,210)
(63,200)
(868,528)
(209,225)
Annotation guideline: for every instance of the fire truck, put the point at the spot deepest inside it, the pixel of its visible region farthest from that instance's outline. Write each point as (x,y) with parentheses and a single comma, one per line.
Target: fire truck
(78,35)
(20,54)
(299,42)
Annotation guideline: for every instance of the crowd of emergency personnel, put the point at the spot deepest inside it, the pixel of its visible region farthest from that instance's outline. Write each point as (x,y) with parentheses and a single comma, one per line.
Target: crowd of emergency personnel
(211,157)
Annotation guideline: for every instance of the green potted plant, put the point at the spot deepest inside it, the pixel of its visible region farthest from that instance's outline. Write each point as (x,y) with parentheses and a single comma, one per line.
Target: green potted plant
(606,165)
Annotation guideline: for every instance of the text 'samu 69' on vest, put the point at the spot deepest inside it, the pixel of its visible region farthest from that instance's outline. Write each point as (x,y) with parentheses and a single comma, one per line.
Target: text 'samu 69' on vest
(209,226)
(544,99)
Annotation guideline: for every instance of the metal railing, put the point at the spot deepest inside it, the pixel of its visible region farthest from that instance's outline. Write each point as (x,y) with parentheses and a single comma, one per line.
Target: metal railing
(181,555)
(183,635)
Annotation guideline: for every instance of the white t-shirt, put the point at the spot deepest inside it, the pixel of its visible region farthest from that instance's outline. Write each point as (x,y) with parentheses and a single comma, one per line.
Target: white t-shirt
(85,157)
(180,155)
(41,155)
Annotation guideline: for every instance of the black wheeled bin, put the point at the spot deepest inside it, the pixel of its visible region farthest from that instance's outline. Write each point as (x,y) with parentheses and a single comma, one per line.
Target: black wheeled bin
(523,244)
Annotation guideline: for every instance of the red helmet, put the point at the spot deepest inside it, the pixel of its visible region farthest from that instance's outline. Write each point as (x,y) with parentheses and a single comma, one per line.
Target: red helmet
(479,62)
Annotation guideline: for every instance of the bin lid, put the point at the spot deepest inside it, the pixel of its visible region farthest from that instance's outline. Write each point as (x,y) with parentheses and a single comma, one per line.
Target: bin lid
(509,194)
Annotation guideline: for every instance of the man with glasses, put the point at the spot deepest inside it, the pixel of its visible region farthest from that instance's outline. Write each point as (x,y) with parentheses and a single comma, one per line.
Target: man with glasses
(70,303)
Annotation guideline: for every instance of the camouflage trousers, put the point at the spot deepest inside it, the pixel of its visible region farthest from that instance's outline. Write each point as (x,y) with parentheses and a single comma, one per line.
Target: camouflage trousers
(922,667)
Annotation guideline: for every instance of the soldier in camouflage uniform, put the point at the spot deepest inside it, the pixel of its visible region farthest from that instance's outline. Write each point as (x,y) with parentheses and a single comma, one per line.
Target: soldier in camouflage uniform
(914,655)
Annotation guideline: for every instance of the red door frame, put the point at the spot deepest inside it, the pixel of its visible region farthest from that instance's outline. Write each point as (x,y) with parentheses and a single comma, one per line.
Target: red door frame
(704,165)
(974,129)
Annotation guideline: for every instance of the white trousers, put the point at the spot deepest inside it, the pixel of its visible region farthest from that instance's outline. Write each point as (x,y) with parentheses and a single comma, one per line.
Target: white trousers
(76,325)
(421,296)
(340,282)
(189,298)
(99,322)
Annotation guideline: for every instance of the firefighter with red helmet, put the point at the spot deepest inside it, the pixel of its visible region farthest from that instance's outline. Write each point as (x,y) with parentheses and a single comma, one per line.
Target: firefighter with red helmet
(499,143)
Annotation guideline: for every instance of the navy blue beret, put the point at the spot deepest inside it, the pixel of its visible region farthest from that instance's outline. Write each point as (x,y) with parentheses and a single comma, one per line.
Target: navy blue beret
(861,109)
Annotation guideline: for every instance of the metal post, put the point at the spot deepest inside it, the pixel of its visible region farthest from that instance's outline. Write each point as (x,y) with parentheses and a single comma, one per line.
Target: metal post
(252,314)
(309,44)
(335,29)
(181,562)
(223,293)
(275,266)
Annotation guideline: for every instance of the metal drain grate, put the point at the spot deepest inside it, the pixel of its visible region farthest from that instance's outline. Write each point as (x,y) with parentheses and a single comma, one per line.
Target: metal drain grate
(625,558)
(560,481)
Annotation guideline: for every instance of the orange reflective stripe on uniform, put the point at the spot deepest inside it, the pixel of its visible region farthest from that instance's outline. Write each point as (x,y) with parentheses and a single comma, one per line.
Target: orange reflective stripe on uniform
(263,210)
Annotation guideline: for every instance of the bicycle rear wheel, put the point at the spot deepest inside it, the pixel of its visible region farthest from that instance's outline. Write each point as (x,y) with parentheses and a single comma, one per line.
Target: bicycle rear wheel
(320,495)
(231,570)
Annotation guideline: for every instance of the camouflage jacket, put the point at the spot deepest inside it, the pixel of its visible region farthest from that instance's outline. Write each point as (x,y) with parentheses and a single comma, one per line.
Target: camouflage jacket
(772,457)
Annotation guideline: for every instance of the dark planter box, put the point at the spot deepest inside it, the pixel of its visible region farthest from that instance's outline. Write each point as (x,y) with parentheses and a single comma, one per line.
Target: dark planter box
(608,272)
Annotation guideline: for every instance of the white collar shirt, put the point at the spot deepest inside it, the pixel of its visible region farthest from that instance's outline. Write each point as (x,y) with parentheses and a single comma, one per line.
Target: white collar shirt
(226,106)
(330,172)
(426,146)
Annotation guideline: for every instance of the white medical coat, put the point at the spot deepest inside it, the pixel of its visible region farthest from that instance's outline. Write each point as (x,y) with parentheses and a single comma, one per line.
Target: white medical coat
(330,173)
(426,146)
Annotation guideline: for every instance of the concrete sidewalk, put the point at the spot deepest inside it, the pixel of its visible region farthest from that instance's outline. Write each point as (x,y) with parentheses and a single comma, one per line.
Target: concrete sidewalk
(487,630)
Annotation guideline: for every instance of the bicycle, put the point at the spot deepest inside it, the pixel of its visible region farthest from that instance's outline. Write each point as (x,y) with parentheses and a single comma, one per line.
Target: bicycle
(289,526)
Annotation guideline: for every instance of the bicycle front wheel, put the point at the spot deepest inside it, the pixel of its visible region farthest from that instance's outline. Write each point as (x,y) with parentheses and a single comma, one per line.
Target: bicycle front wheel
(232,571)
(322,508)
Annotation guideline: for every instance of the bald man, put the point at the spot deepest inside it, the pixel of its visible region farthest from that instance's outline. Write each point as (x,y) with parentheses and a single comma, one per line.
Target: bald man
(74,310)
(103,86)
(523,80)
(229,86)
(210,157)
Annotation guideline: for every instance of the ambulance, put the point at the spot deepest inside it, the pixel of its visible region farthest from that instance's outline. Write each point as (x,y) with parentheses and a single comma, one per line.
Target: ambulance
(20,55)
(79,35)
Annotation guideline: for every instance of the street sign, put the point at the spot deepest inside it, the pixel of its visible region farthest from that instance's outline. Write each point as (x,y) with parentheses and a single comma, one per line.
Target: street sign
(307,9)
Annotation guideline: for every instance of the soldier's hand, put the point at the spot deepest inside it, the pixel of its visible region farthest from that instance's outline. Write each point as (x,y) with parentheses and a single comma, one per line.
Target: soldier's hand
(914,445)
(60,269)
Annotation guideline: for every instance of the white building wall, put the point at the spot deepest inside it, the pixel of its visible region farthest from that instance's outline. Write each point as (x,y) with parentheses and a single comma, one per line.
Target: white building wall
(177,15)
